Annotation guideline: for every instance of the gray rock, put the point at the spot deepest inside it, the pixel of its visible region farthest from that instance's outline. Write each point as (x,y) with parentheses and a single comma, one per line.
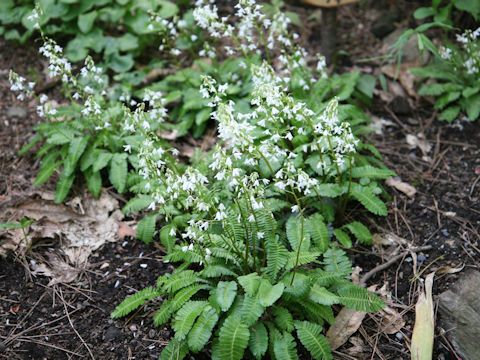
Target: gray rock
(16,111)
(460,315)
(410,51)
(112,333)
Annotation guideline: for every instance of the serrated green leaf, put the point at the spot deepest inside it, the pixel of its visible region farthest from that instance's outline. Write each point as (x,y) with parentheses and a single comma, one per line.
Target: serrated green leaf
(358,298)
(371,172)
(283,318)
(450,113)
(368,199)
(284,347)
(85,21)
(140,202)
(133,302)
(277,257)
(224,294)
(269,294)
(118,171)
(44,174)
(63,187)
(360,231)
(202,330)
(304,257)
(319,232)
(103,158)
(251,310)
(295,228)
(310,336)
(75,150)
(473,107)
(232,340)
(336,262)
(343,238)
(186,316)
(146,228)
(250,283)
(94,182)
(258,342)
(163,314)
(175,350)
(321,295)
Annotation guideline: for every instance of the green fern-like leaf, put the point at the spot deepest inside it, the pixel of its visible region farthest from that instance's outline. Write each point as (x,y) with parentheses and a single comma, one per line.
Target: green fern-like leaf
(317,312)
(326,278)
(371,172)
(94,182)
(232,341)
(277,257)
(163,314)
(268,293)
(295,226)
(202,330)
(342,238)
(358,298)
(360,231)
(186,316)
(75,150)
(258,342)
(179,280)
(63,187)
(138,203)
(183,295)
(118,172)
(368,199)
(217,270)
(250,283)
(322,296)
(102,159)
(330,190)
(336,262)
(224,294)
(283,318)
(44,174)
(251,310)
(146,228)
(310,336)
(432,90)
(299,288)
(304,257)
(175,350)
(319,232)
(133,302)
(284,347)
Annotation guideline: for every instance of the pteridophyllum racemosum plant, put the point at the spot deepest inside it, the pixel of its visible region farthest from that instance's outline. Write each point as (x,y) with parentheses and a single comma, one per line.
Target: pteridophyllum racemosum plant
(253,225)
(86,136)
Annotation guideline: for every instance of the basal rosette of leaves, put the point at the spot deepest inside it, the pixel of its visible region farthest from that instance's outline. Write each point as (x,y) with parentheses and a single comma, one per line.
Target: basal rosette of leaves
(119,30)
(456,69)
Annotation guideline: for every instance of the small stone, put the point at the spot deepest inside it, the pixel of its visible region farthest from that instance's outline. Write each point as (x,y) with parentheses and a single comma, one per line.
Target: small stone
(112,333)
(17,111)
(408,259)
(421,257)
(400,106)
(399,335)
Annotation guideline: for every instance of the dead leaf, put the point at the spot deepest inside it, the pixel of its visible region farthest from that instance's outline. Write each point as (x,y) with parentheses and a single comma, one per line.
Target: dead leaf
(407,189)
(346,323)
(420,142)
(423,331)
(387,239)
(391,321)
(80,233)
(449,270)
(57,269)
(125,230)
(358,347)
(169,135)
(404,76)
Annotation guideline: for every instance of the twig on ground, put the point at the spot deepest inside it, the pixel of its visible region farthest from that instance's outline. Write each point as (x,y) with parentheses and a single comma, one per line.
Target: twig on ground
(390,262)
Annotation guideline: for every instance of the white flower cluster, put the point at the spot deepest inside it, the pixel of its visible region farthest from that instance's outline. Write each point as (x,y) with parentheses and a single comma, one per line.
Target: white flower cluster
(470,41)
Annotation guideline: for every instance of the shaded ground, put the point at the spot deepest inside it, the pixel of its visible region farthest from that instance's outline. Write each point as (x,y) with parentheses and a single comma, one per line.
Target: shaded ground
(73,321)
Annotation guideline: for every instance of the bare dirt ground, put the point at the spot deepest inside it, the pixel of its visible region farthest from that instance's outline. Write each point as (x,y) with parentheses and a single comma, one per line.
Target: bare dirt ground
(72,320)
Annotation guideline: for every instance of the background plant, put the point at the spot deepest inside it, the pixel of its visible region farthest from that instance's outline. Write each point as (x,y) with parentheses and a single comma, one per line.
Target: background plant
(119,30)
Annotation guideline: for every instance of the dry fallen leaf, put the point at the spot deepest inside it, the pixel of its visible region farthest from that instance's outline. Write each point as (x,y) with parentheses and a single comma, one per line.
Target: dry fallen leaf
(391,320)
(56,269)
(449,270)
(125,230)
(423,331)
(407,189)
(80,233)
(387,239)
(404,76)
(346,324)
(420,142)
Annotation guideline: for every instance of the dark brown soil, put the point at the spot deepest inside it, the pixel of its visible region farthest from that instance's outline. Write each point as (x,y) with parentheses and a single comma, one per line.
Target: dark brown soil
(72,321)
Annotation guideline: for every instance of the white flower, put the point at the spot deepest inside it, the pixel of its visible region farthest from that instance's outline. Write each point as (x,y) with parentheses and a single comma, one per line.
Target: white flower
(260,235)
(295,208)
(172,232)
(127,148)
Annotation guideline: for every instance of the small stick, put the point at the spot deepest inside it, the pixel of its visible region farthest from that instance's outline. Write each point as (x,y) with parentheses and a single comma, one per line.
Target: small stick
(390,262)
